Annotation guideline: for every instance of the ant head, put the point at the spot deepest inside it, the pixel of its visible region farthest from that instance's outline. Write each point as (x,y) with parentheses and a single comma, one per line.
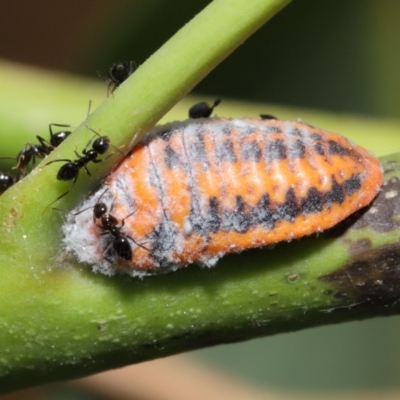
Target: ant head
(99,209)
(58,137)
(101,144)
(119,72)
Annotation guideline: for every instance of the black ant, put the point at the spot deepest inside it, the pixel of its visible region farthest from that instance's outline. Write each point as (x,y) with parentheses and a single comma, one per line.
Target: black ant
(119,72)
(55,138)
(32,151)
(267,116)
(70,170)
(6,181)
(110,225)
(202,110)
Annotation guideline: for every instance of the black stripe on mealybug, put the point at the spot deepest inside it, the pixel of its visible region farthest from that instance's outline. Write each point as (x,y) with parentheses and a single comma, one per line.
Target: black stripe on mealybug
(336,148)
(315,136)
(244,217)
(197,149)
(196,220)
(225,152)
(319,148)
(276,150)
(171,157)
(261,214)
(236,220)
(162,241)
(272,129)
(226,130)
(335,195)
(313,203)
(242,222)
(212,220)
(297,150)
(352,185)
(251,151)
(249,130)
(288,210)
(239,219)
(295,132)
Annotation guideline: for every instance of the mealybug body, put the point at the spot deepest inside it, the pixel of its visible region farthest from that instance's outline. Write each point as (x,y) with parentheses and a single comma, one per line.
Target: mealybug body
(200,189)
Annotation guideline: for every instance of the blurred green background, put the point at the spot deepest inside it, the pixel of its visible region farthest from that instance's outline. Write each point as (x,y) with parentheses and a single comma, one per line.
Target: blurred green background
(338,56)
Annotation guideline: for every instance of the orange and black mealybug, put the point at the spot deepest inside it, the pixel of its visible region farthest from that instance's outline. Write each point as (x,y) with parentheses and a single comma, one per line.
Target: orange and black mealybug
(196,190)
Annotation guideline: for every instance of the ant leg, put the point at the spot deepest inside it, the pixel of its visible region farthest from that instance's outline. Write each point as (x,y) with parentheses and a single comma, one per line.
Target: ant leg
(64,194)
(97,133)
(215,104)
(107,80)
(107,259)
(98,200)
(25,154)
(123,221)
(88,111)
(138,244)
(79,212)
(84,151)
(133,240)
(106,251)
(86,170)
(61,159)
(112,206)
(58,137)
(43,142)
(59,125)
(36,152)
(102,159)
(132,67)
(78,155)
